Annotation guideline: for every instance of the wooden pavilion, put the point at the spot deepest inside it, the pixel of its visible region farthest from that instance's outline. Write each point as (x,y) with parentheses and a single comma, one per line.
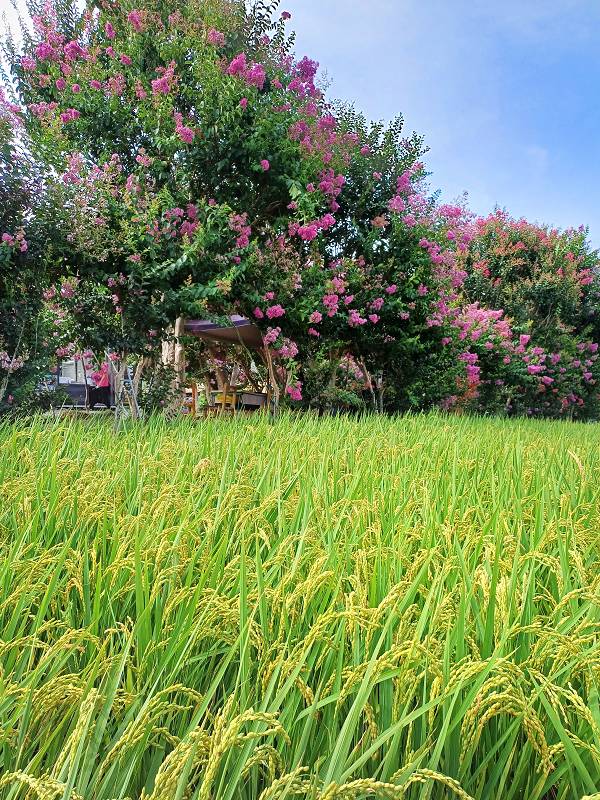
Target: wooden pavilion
(241,332)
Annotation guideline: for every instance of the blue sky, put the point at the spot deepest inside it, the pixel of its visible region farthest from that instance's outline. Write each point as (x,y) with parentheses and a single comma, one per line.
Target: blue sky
(507,93)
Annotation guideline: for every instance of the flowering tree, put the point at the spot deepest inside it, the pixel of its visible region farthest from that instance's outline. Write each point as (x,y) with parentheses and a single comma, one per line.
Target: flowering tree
(23,335)
(527,324)
(183,143)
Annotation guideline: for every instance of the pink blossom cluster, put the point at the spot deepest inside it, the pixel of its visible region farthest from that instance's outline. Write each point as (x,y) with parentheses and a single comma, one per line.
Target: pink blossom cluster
(294,391)
(185,133)
(271,335)
(175,222)
(253,74)
(16,241)
(215,38)
(11,363)
(239,224)
(136,20)
(167,80)
(288,349)
(275,311)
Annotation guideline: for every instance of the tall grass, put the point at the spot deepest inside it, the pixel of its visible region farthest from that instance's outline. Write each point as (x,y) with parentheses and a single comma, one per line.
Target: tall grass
(328,609)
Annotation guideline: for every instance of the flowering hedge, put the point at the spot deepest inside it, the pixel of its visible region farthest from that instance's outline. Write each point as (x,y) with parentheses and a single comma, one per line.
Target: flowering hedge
(193,167)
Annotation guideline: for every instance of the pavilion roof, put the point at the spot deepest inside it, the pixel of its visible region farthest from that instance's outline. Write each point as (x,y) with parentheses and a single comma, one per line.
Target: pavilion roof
(239,331)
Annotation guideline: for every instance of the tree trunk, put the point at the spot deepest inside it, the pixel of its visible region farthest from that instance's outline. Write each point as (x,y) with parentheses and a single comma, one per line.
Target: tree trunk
(173,356)
(6,378)
(139,369)
(369,383)
(272,379)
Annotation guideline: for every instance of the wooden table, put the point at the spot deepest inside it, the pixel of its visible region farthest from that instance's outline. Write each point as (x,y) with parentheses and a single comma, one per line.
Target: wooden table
(248,400)
(252,399)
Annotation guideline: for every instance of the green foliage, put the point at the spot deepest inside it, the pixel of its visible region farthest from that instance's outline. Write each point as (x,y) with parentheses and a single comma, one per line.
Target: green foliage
(157,389)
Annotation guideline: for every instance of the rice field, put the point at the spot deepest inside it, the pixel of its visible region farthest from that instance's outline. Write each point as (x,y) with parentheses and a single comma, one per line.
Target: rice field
(312,608)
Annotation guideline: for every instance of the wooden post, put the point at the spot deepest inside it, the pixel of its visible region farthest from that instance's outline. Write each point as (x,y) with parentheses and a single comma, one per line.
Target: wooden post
(194,399)
(179,353)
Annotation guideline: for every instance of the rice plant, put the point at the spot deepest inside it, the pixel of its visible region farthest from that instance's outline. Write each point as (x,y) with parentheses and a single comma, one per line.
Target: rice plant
(315,608)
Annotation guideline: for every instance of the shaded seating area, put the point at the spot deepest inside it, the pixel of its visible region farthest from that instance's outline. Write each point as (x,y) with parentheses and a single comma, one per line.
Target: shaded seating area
(232,382)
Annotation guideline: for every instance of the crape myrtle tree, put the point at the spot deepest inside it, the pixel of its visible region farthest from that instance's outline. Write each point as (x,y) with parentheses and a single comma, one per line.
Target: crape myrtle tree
(356,303)
(529,322)
(201,172)
(23,328)
(179,138)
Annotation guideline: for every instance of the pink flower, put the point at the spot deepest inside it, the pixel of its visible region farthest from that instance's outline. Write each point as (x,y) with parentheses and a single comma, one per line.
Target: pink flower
(265,165)
(327,221)
(355,319)
(285,15)
(313,332)
(364,151)
(125,60)
(74,50)
(271,335)
(397,204)
(315,317)
(135,20)
(60,84)
(109,31)
(392,289)
(70,115)
(28,63)
(76,88)
(215,38)
(308,232)
(66,290)
(45,52)
(374,318)
(275,311)
(95,84)
(161,85)
(422,290)
(185,134)
(377,176)
(295,392)
(258,313)
(238,65)
(244,103)
(255,76)
(524,339)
